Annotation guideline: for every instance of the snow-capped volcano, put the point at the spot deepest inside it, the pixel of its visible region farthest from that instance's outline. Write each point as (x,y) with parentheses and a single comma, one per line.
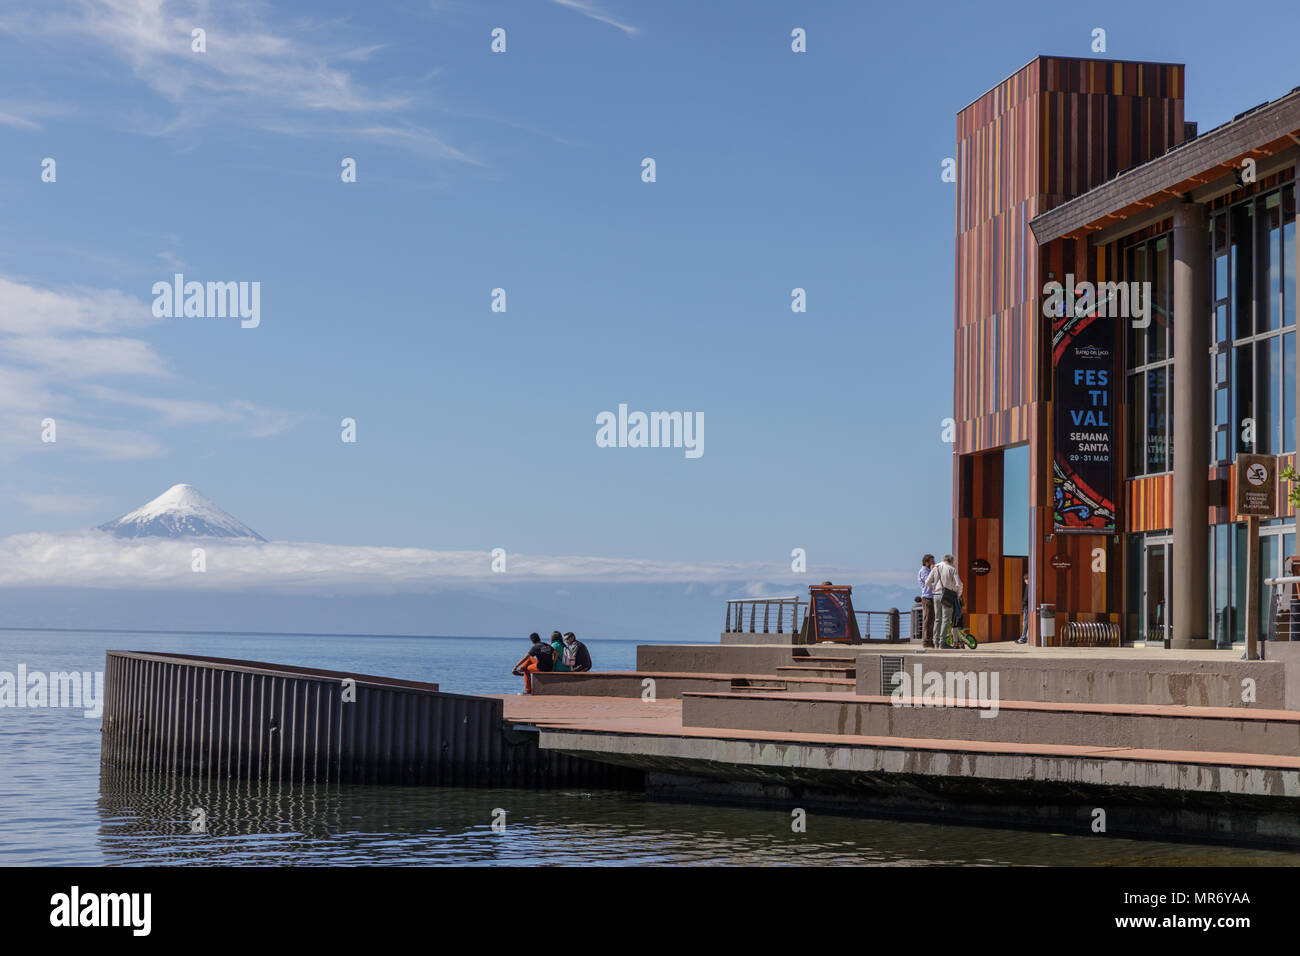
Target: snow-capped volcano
(180,512)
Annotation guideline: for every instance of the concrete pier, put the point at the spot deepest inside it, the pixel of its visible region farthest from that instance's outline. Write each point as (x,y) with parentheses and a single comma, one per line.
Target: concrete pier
(1194,745)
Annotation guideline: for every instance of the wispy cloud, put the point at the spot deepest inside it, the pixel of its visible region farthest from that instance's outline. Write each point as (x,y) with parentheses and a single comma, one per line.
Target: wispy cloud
(252,72)
(61,504)
(9,119)
(256,420)
(590,10)
(58,350)
(174,261)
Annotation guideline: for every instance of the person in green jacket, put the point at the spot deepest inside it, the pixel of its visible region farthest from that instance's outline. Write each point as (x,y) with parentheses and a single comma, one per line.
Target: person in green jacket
(557,645)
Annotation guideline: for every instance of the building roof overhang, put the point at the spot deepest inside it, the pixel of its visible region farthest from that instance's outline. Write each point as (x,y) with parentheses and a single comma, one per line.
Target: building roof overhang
(1199,170)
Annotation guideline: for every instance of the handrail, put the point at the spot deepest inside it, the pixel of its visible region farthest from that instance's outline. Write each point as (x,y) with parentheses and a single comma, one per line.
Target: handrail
(735,619)
(784,615)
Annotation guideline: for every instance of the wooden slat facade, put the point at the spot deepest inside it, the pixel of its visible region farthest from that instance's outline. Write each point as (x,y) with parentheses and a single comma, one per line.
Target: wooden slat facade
(1057,128)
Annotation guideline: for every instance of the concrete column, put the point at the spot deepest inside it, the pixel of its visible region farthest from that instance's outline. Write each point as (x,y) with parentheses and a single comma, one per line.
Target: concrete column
(1191,565)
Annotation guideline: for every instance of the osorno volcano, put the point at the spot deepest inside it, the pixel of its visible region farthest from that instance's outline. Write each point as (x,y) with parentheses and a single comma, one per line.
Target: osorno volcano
(180,512)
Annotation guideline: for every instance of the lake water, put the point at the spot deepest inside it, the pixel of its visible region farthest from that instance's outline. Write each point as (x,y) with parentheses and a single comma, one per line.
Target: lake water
(56,809)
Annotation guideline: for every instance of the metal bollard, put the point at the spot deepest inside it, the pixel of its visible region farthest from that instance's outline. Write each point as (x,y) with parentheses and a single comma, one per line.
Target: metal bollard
(1046,624)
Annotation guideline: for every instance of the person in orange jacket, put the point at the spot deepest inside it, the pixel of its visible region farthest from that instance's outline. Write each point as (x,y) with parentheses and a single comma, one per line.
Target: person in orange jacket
(537,660)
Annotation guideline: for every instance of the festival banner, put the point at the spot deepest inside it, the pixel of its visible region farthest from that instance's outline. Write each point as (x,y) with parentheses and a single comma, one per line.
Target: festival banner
(1084,400)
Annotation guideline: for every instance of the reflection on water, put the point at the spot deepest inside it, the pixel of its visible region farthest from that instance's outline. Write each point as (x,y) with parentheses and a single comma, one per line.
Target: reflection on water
(148,819)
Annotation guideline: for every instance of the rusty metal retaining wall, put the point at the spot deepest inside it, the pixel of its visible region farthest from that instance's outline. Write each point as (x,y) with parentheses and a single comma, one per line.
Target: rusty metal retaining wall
(220,718)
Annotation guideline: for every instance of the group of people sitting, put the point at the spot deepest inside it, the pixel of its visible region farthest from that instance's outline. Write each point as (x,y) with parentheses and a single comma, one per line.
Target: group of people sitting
(563,653)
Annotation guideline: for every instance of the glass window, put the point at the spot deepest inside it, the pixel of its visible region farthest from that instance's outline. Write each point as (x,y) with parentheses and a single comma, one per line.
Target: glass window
(1268,362)
(1137,271)
(1271,314)
(1157,349)
(1156,418)
(1268,545)
(1015,500)
(1243,224)
(1239,582)
(1137,415)
(1288,256)
(1169,418)
(1220,567)
(1133,605)
(1288,392)
(1243,402)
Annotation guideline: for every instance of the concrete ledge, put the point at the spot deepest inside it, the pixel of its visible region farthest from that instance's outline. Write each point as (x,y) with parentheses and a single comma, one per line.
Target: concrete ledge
(1149,727)
(748,637)
(1107,676)
(670,685)
(753,658)
(1226,797)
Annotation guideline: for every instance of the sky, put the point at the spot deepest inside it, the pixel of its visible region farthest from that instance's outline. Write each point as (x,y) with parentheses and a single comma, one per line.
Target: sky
(519,170)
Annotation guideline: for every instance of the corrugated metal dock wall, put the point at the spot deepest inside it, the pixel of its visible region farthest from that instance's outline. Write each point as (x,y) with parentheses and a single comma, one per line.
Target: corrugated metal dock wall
(220,718)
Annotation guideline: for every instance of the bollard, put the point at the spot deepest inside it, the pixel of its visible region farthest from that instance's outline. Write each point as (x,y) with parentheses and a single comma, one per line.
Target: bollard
(1046,623)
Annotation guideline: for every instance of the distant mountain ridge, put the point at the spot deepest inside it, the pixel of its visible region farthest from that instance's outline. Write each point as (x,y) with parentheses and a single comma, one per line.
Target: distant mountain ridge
(180,512)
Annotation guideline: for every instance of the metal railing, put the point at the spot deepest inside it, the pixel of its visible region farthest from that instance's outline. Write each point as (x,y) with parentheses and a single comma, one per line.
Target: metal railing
(784,615)
(781,615)
(1283,622)
(883,626)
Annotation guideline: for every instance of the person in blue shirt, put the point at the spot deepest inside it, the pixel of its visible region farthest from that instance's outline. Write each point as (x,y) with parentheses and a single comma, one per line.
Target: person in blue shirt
(927,601)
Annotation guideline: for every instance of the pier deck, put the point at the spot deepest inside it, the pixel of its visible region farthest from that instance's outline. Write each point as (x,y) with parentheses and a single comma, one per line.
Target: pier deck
(1188,792)
(663,718)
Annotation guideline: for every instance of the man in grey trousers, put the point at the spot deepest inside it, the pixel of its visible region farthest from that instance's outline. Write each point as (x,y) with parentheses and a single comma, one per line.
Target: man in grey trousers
(944,577)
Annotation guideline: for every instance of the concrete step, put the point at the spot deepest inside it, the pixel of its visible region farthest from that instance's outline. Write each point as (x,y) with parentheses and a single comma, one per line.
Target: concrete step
(669,684)
(817,670)
(1142,726)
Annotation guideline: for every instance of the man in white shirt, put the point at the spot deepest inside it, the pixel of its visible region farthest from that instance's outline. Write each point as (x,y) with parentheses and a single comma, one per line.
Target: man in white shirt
(944,579)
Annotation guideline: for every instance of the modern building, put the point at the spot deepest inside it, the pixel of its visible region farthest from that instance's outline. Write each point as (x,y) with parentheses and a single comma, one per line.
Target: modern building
(1096,426)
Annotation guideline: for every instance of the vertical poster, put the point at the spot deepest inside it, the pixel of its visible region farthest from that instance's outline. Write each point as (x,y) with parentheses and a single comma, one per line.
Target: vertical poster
(1084,399)
(832,610)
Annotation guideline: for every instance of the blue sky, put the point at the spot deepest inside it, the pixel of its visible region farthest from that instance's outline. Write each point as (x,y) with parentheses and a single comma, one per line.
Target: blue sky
(519,170)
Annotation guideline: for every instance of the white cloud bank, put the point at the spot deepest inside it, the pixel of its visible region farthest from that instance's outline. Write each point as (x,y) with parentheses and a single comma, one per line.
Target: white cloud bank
(101,560)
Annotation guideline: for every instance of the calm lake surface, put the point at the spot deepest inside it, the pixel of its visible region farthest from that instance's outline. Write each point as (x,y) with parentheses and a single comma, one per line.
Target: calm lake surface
(56,809)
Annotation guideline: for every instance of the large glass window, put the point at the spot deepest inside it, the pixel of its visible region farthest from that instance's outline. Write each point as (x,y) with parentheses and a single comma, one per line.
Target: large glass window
(1253,379)
(1015,500)
(1254,283)
(1150,372)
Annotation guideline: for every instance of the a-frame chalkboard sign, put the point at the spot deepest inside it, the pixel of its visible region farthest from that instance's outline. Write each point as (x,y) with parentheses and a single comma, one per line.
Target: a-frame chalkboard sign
(830,615)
